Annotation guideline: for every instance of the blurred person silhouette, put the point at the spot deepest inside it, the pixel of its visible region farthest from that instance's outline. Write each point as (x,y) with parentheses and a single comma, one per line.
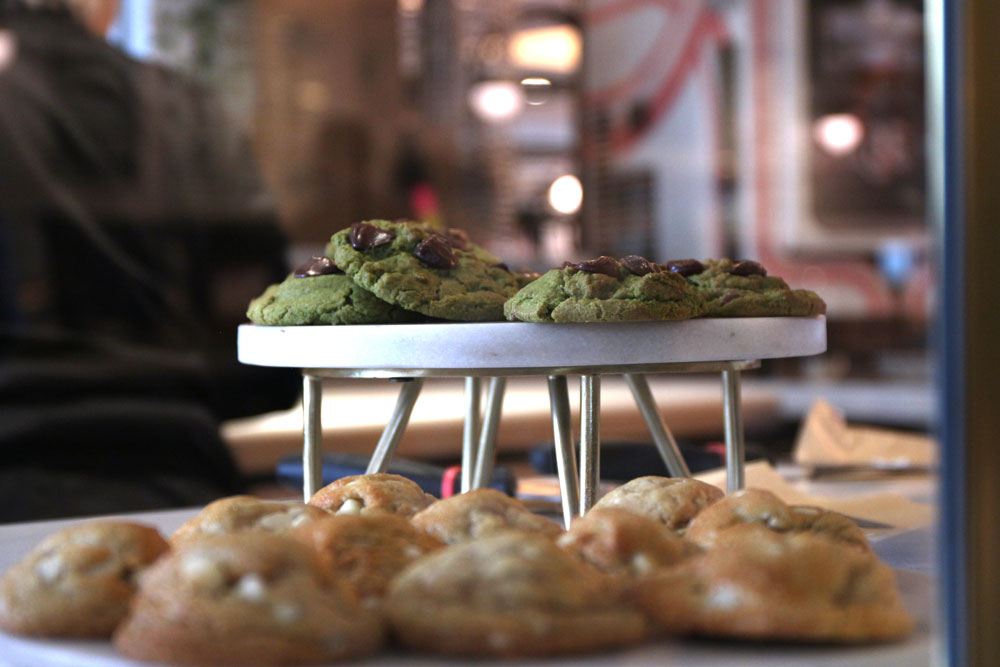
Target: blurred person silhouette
(134,229)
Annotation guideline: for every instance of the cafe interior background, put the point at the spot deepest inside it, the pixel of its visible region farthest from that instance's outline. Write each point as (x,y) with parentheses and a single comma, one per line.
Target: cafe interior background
(788,132)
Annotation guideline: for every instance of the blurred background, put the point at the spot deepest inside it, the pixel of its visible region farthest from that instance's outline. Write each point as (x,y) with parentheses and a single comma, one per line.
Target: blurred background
(788,132)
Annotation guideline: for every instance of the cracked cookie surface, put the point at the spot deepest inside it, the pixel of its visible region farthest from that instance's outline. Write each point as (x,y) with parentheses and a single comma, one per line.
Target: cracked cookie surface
(439,273)
(743,289)
(606,290)
(323,299)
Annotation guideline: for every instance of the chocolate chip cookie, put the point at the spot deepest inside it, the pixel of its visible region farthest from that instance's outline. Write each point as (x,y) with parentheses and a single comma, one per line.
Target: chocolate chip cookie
(245,514)
(78,582)
(755,583)
(764,508)
(377,493)
(743,289)
(319,293)
(249,599)
(606,290)
(367,550)
(480,513)
(512,594)
(439,273)
(623,543)
(673,501)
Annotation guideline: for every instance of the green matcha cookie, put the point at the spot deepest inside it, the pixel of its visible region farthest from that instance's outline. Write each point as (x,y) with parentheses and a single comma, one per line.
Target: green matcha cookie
(743,289)
(314,295)
(417,267)
(606,290)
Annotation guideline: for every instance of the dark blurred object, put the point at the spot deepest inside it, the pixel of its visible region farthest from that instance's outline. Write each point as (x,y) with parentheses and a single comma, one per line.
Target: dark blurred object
(102,456)
(433,479)
(622,461)
(135,230)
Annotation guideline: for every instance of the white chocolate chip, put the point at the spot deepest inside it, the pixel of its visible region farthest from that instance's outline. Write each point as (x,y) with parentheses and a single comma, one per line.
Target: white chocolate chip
(251,587)
(276,521)
(300,518)
(214,528)
(287,612)
(350,506)
(50,568)
(724,597)
(202,571)
(412,551)
(641,563)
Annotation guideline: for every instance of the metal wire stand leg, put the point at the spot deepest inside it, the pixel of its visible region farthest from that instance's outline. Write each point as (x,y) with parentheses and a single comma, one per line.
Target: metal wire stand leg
(393,431)
(470,433)
(312,434)
(487,450)
(565,456)
(662,437)
(733,417)
(590,440)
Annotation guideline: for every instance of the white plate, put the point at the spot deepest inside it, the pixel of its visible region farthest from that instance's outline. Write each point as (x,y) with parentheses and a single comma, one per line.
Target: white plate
(525,348)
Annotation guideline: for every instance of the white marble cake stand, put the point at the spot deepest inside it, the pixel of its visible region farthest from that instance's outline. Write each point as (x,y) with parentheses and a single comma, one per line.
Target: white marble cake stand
(496,350)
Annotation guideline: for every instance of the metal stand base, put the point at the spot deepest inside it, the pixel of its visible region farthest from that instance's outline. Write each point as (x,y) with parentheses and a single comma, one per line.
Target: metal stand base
(579,486)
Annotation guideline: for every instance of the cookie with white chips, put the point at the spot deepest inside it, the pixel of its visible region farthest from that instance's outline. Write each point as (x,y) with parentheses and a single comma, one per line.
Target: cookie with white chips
(512,594)
(247,599)
(480,513)
(755,583)
(78,582)
(673,501)
(367,550)
(375,493)
(623,543)
(245,514)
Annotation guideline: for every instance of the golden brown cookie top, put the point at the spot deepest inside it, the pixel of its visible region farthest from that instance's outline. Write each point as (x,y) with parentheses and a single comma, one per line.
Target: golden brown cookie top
(506,595)
(251,598)
(673,501)
(377,493)
(505,572)
(78,582)
(617,541)
(367,550)
(762,507)
(480,513)
(759,583)
(245,514)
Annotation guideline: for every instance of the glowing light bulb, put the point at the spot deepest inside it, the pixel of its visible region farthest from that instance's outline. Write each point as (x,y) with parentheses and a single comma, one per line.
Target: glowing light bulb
(566,194)
(839,133)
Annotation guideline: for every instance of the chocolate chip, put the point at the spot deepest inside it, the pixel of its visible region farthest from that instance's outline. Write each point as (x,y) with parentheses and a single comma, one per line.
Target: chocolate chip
(748,268)
(729,296)
(365,236)
(317,266)
(457,237)
(685,267)
(435,252)
(637,264)
(609,266)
